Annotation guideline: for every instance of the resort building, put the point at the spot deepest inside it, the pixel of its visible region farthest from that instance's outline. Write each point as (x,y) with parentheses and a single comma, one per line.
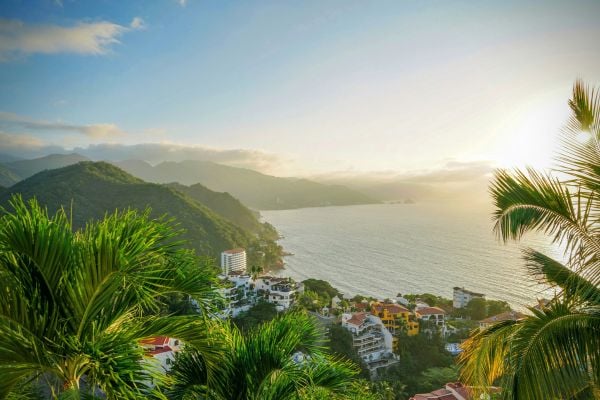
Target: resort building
(162,350)
(395,317)
(505,316)
(233,260)
(236,294)
(371,340)
(453,391)
(433,316)
(462,297)
(279,291)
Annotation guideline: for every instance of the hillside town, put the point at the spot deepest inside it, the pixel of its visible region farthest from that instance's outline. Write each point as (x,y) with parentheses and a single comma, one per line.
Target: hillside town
(376,327)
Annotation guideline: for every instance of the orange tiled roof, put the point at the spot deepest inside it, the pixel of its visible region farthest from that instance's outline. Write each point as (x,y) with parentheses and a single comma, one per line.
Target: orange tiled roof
(391,308)
(357,318)
(505,316)
(430,310)
(156,341)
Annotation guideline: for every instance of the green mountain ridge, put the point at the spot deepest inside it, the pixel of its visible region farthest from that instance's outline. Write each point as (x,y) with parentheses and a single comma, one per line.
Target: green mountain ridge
(7,177)
(91,189)
(252,188)
(223,204)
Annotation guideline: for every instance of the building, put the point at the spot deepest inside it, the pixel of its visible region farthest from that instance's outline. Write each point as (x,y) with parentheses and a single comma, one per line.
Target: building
(434,316)
(236,294)
(505,316)
(462,297)
(454,391)
(233,260)
(370,339)
(279,291)
(396,317)
(162,350)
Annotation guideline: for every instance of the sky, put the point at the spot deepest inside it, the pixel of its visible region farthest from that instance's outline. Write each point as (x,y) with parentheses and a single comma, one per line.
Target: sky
(297,87)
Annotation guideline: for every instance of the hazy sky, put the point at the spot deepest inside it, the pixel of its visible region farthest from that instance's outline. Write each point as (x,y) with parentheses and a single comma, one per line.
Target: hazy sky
(325,85)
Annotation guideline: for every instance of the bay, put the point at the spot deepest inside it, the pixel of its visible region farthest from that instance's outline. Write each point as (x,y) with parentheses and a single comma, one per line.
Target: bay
(385,249)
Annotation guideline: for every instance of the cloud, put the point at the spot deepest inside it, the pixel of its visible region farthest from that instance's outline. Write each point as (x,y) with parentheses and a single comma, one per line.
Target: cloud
(12,141)
(159,152)
(137,23)
(182,3)
(18,38)
(93,131)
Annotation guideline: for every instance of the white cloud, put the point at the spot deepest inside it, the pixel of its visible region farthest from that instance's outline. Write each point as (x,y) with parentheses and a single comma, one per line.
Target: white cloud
(137,23)
(18,38)
(94,131)
(182,3)
(12,142)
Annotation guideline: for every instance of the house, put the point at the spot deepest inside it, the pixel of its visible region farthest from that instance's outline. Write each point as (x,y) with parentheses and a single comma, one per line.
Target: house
(235,290)
(505,316)
(395,317)
(371,340)
(162,350)
(462,297)
(452,391)
(434,316)
(278,291)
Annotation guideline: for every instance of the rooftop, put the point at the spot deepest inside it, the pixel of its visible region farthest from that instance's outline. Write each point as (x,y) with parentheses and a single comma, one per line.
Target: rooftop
(161,350)
(468,291)
(505,316)
(430,311)
(156,341)
(357,318)
(391,308)
(235,251)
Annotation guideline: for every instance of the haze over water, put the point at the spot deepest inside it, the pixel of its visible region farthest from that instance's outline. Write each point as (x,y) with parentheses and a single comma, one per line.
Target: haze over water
(380,250)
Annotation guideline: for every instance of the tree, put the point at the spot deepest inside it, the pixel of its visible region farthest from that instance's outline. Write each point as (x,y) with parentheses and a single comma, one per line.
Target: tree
(74,305)
(261,365)
(476,309)
(555,352)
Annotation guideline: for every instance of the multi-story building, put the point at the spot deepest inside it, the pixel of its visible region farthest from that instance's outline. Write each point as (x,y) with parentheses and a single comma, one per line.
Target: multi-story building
(434,316)
(371,340)
(235,293)
(462,297)
(233,260)
(396,317)
(279,291)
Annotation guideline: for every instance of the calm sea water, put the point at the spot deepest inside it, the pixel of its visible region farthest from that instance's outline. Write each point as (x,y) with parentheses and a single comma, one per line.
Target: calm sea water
(380,250)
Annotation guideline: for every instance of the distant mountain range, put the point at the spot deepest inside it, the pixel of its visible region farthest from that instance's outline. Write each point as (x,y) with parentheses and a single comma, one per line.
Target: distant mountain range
(91,189)
(254,189)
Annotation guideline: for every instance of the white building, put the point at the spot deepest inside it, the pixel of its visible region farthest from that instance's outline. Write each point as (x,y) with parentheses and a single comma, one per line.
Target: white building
(434,315)
(236,293)
(233,260)
(462,297)
(371,340)
(162,350)
(279,291)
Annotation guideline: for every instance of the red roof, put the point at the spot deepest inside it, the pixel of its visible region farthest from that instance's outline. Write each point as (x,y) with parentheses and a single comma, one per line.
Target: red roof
(234,251)
(391,308)
(156,341)
(505,316)
(160,350)
(361,306)
(430,311)
(357,319)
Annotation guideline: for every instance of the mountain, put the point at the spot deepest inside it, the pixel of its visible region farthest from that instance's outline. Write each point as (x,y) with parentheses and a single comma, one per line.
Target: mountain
(256,190)
(26,168)
(92,189)
(4,158)
(7,177)
(223,204)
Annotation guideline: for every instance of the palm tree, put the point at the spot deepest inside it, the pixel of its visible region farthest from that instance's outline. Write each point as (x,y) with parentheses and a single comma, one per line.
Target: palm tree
(555,352)
(74,305)
(261,365)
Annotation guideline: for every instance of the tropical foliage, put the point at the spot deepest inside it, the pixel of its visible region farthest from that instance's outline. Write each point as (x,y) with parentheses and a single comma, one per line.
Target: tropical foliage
(75,304)
(555,352)
(280,359)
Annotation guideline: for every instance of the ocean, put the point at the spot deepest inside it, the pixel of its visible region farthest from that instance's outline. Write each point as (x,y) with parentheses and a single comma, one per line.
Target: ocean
(385,249)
